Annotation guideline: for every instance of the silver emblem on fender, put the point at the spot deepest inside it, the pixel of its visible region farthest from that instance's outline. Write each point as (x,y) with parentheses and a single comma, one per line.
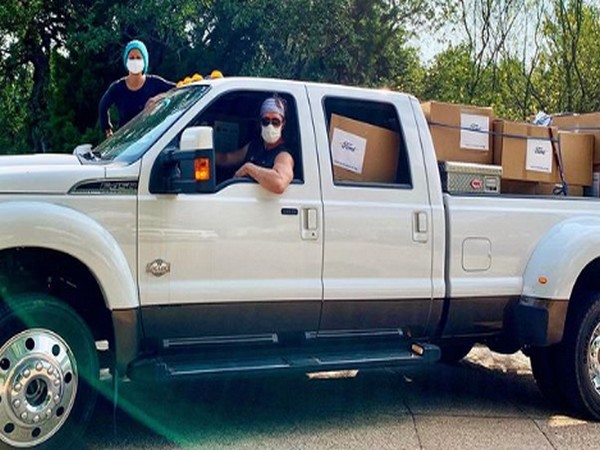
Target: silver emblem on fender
(158,267)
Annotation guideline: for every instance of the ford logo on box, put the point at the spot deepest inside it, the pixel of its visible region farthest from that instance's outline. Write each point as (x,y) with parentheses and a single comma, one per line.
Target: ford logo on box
(347,145)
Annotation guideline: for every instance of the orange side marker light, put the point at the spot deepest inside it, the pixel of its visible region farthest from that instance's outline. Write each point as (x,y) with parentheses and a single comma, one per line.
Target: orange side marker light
(202,169)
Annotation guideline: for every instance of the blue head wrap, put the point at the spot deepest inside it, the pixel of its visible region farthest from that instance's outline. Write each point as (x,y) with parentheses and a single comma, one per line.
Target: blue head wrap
(273,105)
(135,44)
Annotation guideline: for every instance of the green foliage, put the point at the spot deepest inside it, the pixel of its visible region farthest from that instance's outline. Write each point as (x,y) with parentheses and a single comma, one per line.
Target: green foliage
(14,94)
(71,63)
(522,59)
(342,41)
(57,57)
(504,86)
(447,78)
(570,69)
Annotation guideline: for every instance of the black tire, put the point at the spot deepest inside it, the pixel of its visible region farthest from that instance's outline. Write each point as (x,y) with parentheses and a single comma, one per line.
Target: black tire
(453,353)
(583,320)
(39,318)
(546,366)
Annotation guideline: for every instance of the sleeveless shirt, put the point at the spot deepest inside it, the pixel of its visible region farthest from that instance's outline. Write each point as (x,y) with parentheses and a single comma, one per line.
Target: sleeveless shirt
(259,155)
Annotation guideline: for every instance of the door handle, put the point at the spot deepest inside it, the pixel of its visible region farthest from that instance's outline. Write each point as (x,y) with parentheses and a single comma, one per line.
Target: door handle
(310,223)
(289,211)
(420,226)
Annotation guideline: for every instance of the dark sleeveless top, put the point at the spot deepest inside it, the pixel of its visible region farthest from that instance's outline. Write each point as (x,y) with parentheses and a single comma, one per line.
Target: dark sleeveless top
(128,102)
(259,155)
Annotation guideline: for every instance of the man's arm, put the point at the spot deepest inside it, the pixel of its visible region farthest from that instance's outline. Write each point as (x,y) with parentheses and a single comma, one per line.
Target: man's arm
(275,180)
(231,159)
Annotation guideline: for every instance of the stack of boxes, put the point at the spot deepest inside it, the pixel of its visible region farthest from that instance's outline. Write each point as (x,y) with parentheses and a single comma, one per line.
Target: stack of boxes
(526,153)
(588,124)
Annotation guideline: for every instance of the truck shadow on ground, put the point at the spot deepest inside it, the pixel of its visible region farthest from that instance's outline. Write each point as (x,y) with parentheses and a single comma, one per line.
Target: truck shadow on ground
(252,412)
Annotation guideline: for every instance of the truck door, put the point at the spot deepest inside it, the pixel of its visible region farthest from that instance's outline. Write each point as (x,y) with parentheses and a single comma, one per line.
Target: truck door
(245,264)
(377,271)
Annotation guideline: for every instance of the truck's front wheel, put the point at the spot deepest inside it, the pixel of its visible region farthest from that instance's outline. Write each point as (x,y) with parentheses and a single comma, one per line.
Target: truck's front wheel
(48,371)
(581,356)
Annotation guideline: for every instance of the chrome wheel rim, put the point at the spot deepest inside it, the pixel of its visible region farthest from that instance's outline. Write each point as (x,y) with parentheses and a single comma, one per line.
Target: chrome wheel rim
(38,386)
(594,359)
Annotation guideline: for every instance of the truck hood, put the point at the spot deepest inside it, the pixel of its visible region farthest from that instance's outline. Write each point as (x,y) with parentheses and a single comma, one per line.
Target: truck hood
(44,173)
(46,159)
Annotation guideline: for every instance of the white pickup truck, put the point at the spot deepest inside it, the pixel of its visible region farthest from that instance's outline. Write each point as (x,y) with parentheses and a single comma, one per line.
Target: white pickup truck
(185,271)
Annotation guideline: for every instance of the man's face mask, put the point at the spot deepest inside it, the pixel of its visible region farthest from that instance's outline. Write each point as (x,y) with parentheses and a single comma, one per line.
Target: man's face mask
(271,134)
(271,129)
(135,66)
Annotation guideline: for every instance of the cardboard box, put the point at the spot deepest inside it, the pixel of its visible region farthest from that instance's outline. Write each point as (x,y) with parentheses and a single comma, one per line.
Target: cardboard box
(518,187)
(584,123)
(363,152)
(460,133)
(577,150)
(525,152)
(576,191)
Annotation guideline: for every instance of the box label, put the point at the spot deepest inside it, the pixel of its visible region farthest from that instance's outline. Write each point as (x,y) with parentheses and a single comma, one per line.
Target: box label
(348,150)
(474,133)
(539,156)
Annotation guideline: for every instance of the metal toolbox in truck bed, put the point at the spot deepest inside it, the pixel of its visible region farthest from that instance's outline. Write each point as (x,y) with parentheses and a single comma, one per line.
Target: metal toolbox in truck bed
(469,178)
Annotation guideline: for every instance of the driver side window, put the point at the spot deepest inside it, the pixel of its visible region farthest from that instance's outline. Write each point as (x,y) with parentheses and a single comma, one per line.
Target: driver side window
(235,119)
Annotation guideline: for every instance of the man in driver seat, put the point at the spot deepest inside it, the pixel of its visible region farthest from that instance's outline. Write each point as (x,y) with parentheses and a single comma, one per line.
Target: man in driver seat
(266,160)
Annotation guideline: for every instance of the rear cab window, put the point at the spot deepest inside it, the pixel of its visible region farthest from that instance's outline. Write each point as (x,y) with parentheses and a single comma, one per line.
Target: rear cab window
(366,144)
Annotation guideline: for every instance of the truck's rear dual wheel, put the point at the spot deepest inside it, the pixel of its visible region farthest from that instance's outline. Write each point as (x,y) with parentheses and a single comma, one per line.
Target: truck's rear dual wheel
(48,372)
(580,356)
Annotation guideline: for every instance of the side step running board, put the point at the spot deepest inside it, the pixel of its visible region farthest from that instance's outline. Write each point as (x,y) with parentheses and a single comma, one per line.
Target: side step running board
(183,366)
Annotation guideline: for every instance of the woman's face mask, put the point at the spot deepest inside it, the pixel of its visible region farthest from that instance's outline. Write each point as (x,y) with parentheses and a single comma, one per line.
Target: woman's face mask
(135,66)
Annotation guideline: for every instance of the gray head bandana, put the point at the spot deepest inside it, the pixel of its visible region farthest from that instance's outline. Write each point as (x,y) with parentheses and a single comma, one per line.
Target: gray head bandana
(272,105)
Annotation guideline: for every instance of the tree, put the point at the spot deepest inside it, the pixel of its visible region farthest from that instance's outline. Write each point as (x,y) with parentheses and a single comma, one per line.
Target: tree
(570,68)
(487,28)
(343,41)
(32,30)
(58,57)
(14,96)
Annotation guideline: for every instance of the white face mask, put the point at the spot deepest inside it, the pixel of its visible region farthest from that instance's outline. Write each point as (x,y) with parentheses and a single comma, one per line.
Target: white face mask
(135,65)
(270,134)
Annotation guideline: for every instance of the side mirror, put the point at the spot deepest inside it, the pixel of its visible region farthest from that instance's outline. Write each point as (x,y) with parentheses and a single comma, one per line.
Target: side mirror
(188,169)
(196,138)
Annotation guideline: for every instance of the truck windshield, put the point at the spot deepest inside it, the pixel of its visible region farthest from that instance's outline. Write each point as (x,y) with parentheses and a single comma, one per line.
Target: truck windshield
(132,140)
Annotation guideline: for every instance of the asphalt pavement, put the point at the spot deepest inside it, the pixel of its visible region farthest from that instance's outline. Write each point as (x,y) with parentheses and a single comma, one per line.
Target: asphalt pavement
(487,401)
